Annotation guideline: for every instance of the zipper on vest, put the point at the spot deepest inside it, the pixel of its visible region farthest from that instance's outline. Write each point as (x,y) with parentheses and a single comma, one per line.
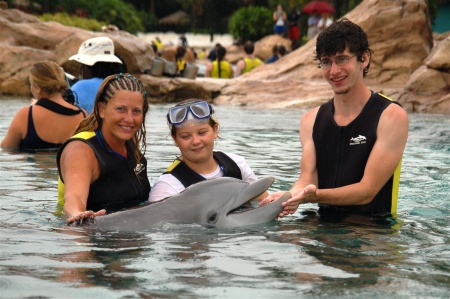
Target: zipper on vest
(340,156)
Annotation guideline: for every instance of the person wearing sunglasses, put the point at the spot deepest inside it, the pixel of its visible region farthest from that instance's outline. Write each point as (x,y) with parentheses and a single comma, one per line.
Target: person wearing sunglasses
(352,145)
(194,128)
(102,168)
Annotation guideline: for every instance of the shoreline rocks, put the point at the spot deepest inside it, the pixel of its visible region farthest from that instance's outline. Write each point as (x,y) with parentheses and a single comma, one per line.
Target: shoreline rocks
(408,65)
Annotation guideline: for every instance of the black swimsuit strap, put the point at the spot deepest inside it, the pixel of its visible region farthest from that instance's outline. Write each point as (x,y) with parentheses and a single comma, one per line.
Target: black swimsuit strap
(57,108)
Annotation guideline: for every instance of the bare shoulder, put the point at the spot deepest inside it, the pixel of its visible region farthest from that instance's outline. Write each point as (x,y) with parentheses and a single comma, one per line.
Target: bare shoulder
(309,117)
(23,112)
(394,115)
(393,127)
(79,151)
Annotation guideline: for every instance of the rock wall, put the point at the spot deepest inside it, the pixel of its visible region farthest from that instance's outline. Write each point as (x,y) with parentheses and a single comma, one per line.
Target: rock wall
(408,65)
(403,66)
(24,40)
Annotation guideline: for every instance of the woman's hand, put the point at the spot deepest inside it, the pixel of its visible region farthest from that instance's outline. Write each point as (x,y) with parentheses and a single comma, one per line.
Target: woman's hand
(84,217)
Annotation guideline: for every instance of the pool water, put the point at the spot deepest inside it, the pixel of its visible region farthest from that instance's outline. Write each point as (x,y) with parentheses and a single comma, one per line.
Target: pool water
(298,256)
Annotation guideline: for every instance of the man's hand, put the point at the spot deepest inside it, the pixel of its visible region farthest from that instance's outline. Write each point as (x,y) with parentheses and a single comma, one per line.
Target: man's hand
(304,196)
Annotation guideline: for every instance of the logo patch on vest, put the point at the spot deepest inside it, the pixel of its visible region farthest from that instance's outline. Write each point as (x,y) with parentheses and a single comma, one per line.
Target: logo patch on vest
(358,140)
(138,169)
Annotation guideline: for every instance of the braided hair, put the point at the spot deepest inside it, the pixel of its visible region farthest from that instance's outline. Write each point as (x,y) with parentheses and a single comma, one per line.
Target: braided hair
(220,53)
(108,89)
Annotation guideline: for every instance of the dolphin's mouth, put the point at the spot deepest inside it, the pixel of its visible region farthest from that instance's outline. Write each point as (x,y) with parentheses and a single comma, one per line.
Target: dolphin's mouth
(244,207)
(248,212)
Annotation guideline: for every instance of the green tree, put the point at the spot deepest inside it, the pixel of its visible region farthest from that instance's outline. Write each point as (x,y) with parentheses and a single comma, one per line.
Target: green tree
(251,23)
(117,12)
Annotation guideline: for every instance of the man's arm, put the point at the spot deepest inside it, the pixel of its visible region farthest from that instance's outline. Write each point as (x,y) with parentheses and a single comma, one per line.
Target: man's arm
(240,67)
(79,169)
(208,70)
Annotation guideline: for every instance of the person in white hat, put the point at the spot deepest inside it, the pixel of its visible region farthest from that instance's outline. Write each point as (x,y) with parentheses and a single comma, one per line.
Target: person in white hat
(97,61)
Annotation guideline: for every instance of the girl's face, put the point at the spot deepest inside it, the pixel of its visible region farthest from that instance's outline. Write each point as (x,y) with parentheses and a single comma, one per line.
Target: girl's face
(122,116)
(196,142)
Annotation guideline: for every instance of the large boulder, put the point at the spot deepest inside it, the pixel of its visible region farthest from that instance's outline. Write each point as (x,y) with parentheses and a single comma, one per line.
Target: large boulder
(427,88)
(405,65)
(263,48)
(399,32)
(24,40)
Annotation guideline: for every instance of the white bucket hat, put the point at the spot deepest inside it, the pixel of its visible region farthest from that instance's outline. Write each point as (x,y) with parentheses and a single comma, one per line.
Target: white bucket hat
(96,49)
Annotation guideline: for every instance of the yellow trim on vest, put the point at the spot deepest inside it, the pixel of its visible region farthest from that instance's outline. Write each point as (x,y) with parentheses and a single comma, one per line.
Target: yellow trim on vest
(386,97)
(173,165)
(395,188)
(60,192)
(396,178)
(82,135)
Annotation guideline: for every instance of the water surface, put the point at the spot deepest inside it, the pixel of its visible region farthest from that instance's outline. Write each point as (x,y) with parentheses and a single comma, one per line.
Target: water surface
(299,256)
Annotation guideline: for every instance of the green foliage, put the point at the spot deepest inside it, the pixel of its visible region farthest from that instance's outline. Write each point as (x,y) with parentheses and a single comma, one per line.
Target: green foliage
(251,23)
(115,12)
(65,19)
(149,21)
(118,13)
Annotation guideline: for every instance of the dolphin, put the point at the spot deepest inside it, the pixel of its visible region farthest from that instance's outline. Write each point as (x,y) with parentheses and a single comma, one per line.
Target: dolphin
(210,203)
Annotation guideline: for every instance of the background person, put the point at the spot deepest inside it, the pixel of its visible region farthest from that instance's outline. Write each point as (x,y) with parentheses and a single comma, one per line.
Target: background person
(249,62)
(212,53)
(103,168)
(278,52)
(51,120)
(352,146)
(219,68)
(274,56)
(180,58)
(194,128)
(97,61)
(325,21)
(293,19)
(313,29)
(279,17)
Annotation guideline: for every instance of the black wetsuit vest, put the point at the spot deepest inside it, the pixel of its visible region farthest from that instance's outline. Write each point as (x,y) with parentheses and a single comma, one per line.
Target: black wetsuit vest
(117,187)
(187,176)
(32,142)
(342,154)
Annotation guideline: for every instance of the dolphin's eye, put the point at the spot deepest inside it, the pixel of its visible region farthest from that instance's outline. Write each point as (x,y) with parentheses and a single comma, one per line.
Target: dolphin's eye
(212,217)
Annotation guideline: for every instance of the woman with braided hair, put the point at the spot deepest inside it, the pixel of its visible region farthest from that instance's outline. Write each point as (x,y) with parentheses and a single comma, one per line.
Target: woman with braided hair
(102,168)
(219,68)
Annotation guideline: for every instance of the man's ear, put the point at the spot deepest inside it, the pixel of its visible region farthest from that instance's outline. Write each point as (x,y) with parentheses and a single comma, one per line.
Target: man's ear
(365,57)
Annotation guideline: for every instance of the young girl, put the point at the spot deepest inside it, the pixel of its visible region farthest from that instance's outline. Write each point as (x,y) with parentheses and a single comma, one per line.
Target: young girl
(194,128)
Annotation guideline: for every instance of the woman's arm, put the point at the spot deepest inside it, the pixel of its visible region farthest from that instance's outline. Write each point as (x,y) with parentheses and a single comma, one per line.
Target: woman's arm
(17,130)
(79,169)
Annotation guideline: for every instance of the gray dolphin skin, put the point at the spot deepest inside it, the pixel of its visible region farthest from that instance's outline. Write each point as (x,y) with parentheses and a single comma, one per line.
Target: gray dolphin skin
(209,203)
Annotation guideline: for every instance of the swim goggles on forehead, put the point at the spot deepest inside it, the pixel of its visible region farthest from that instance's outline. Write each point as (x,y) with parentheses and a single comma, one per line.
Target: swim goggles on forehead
(178,114)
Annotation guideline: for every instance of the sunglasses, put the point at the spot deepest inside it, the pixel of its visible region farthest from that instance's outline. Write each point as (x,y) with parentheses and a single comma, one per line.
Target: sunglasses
(199,109)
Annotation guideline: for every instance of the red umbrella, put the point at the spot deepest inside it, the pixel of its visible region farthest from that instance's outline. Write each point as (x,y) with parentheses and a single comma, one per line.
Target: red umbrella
(318,7)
